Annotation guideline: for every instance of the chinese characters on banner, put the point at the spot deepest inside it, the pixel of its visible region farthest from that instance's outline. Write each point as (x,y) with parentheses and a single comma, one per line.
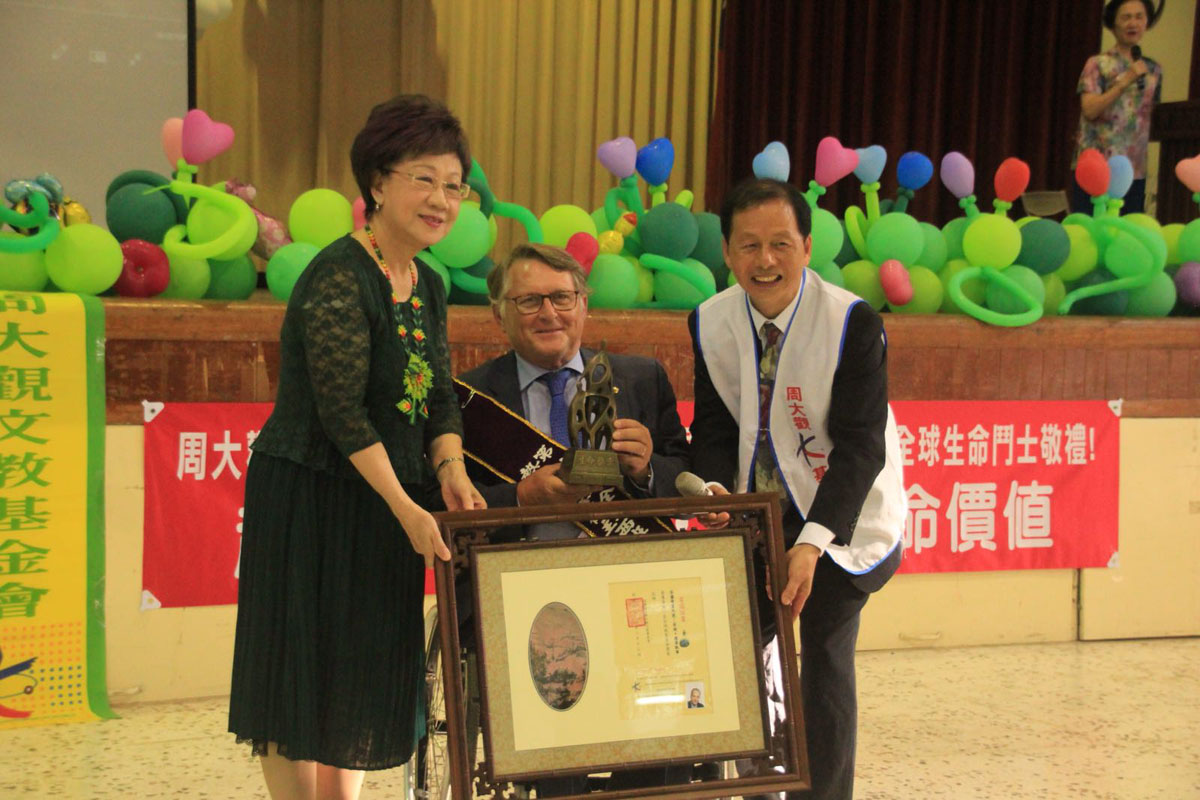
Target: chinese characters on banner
(52,666)
(1008,485)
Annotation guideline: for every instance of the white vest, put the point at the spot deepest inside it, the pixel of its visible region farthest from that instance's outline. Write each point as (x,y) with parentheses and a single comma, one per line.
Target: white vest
(810,350)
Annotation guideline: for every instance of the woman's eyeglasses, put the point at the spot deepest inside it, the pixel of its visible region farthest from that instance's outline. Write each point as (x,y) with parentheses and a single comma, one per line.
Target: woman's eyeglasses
(532,303)
(430,184)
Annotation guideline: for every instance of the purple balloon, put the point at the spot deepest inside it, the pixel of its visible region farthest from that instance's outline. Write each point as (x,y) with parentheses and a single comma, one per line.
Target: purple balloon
(1187,283)
(958,174)
(618,156)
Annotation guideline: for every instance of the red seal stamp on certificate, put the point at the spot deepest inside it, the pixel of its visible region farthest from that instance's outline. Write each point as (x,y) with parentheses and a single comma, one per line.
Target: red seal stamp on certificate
(635,612)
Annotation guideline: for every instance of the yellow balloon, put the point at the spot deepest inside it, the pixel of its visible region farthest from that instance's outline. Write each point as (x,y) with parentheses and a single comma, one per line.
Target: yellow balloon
(611,242)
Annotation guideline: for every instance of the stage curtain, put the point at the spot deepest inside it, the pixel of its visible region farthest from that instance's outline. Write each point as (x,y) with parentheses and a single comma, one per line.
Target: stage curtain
(538,84)
(988,79)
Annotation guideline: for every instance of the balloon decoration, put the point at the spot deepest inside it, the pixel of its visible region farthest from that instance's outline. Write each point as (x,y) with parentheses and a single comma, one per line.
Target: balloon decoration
(773,162)
(85,259)
(320,216)
(235,279)
(284,268)
(272,234)
(145,270)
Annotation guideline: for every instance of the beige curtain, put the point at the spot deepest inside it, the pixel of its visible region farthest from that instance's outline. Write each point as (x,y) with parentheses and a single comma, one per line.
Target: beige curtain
(538,84)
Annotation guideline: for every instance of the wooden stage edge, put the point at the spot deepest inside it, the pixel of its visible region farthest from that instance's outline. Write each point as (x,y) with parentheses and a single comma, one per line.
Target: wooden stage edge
(215,351)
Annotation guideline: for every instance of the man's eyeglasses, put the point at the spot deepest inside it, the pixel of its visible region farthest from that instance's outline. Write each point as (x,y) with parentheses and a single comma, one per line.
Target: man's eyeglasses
(532,303)
(430,184)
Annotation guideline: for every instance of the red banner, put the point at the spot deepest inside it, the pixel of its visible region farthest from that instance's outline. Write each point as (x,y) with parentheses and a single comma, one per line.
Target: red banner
(991,486)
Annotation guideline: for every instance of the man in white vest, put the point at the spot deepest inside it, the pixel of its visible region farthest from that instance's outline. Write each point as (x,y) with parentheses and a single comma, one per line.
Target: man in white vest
(791,397)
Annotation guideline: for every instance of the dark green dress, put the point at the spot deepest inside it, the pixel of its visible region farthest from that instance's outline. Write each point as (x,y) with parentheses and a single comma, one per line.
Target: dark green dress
(327,659)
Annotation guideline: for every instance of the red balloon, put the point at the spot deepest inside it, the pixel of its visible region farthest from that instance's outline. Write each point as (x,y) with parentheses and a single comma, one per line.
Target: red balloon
(1012,178)
(145,269)
(896,283)
(1091,172)
(585,248)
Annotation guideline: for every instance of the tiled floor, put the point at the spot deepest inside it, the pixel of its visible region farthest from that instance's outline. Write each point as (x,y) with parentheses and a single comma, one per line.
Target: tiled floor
(1114,720)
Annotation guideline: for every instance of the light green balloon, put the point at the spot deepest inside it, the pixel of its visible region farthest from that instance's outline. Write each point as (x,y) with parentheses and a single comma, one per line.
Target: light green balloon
(319,216)
(645,280)
(1055,292)
(84,258)
(672,291)
(1083,257)
(189,279)
(1155,299)
(1188,246)
(862,278)
(207,221)
(895,235)
(973,288)
(1170,235)
(927,291)
(601,220)
(827,236)
(1005,302)
(953,232)
(1144,221)
(235,279)
(613,281)
(991,241)
(1125,256)
(935,253)
(22,272)
(467,241)
(560,223)
(831,273)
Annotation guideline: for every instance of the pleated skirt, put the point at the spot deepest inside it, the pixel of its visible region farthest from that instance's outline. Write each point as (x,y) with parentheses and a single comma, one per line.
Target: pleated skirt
(327,658)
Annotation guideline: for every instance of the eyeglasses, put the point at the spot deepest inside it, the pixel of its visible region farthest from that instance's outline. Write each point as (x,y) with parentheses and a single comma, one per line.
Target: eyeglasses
(430,184)
(532,303)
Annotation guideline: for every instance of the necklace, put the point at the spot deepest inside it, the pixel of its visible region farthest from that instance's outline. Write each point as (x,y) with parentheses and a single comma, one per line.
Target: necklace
(418,374)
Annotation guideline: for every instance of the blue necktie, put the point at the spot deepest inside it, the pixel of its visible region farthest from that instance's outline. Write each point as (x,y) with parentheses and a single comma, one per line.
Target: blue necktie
(556,382)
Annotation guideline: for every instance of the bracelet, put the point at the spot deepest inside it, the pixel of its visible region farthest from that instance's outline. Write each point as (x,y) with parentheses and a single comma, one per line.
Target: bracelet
(445,461)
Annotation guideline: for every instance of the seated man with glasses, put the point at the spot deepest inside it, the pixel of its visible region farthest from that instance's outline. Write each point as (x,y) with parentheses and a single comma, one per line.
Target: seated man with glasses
(515,412)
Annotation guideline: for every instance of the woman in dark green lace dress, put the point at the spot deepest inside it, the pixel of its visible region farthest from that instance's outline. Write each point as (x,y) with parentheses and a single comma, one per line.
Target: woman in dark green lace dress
(336,534)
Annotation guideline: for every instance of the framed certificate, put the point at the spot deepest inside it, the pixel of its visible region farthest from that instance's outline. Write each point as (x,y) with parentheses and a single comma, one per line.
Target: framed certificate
(607,654)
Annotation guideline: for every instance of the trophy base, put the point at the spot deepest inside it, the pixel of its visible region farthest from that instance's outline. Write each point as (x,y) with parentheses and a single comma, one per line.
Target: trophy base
(595,467)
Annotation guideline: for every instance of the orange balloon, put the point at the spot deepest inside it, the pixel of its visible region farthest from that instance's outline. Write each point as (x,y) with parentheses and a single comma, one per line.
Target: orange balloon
(1012,178)
(1091,172)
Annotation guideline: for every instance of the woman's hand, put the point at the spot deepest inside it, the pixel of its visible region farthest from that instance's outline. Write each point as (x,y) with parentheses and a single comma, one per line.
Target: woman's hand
(458,492)
(423,533)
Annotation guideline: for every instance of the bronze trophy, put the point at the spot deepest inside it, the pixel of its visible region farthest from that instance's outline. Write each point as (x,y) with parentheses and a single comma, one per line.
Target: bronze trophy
(590,425)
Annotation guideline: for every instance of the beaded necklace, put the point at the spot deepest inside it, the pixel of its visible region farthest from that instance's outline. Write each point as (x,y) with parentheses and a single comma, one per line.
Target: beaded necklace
(418,374)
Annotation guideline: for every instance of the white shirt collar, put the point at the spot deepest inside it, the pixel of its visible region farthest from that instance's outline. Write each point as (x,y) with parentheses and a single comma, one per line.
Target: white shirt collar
(528,373)
(779,321)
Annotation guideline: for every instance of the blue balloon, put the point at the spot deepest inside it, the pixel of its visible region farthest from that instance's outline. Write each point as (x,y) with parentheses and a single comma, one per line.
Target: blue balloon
(654,161)
(1120,175)
(871,161)
(914,170)
(773,162)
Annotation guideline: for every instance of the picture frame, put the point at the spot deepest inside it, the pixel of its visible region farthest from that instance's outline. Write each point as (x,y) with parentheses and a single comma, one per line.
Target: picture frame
(599,655)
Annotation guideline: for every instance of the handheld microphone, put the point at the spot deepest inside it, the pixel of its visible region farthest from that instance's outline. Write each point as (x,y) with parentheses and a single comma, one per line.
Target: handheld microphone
(1136,52)
(689,484)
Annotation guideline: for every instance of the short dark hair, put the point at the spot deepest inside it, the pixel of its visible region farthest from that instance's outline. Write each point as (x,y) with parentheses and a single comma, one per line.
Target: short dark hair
(1113,6)
(753,192)
(407,126)
(554,257)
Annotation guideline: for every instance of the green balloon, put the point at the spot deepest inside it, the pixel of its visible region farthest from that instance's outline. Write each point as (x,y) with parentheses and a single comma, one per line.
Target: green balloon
(560,223)
(672,291)
(935,253)
(708,250)
(437,266)
(991,241)
(1144,221)
(467,241)
(286,265)
(1055,292)
(669,230)
(1171,235)
(1001,300)
(827,236)
(927,292)
(1045,246)
(645,280)
(953,231)
(22,272)
(895,235)
(208,221)
(847,253)
(235,279)
(84,258)
(1155,299)
(1111,304)
(862,278)
(461,295)
(600,219)
(320,216)
(633,244)
(189,279)
(132,214)
(1082,257)
(831,273)
(1187,246)
(1126,257)
(613,281)
(973,288)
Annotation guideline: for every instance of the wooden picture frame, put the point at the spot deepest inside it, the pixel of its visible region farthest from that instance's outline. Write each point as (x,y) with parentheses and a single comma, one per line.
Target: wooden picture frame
(593,655)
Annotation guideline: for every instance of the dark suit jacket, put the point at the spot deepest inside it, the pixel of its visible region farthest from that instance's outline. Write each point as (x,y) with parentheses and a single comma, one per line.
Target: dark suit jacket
(644,394)
(856,424)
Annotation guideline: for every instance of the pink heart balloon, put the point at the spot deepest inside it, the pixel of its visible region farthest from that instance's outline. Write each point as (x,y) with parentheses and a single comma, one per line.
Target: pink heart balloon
(834,162)
(203,139)
(1188,172)
(172,140)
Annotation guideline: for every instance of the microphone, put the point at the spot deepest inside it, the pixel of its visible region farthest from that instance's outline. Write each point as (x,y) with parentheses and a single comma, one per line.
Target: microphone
(1136,52)
(689,484)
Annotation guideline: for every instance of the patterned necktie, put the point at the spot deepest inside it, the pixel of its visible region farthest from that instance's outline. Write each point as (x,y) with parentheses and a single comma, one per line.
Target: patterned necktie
(556,382)
(766,471)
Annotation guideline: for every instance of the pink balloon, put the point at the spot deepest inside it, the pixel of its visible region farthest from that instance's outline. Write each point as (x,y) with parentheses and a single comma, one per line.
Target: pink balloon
(1188,172)
(834,161)
(172,140)
(896,283)
(203,139)
(272,234)
(958,174)
(359,210)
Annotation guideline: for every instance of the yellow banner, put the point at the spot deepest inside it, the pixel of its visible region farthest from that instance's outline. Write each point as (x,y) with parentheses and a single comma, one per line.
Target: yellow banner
(51,509)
